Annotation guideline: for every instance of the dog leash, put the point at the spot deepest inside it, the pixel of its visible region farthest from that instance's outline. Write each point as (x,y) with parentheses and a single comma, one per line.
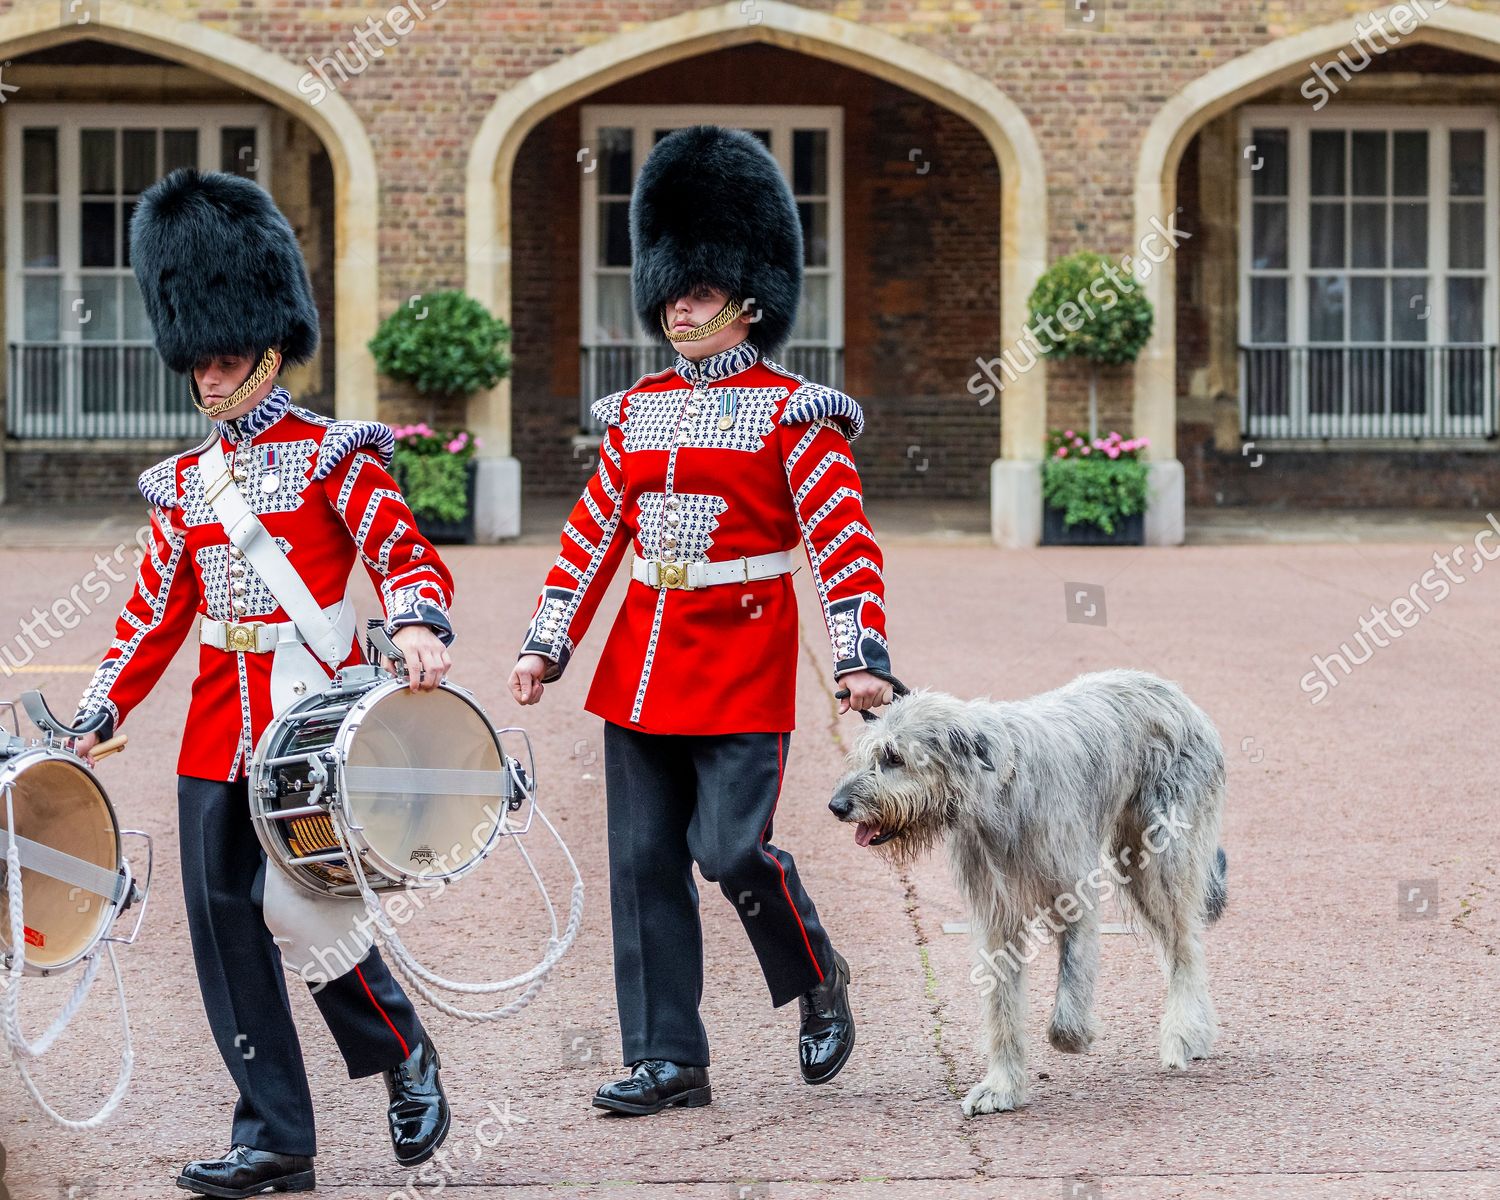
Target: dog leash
(898,689)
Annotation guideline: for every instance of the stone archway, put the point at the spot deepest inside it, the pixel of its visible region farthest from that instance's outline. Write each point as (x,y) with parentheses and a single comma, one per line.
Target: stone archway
(274,79)
(1016,500)
(1162,148)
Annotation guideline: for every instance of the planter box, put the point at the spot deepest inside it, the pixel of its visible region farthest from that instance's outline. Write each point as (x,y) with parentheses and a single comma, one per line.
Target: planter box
(449,532)
(1129,531)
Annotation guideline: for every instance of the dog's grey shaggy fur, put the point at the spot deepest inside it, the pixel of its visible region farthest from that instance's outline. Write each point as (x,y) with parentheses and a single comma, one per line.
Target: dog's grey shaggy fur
(1028,795)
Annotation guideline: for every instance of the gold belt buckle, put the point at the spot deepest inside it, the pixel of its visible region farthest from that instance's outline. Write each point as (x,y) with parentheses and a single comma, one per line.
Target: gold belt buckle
(672,575)
(241,637)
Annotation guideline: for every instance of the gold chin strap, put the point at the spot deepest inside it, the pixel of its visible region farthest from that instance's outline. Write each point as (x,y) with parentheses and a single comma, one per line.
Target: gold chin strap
(709,327)
(269,362)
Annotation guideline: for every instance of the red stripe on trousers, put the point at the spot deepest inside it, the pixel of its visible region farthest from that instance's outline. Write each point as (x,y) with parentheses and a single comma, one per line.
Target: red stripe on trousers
(405,1053)
(785,891)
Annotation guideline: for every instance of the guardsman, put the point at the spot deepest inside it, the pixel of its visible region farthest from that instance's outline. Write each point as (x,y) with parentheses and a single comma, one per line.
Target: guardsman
(227,292)
(715,473)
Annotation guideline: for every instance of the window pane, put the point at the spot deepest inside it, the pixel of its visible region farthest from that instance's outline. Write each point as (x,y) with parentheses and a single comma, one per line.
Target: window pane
(616,158)
(810,162)
(39,156)
(1268,310)
(1367,309)
(138,150)
(1326,235)
(179,148)
(1268,235)
(1408,235)
(39,237)
(812,313)
(237,153)
(1325,308)
(614,233)
(814,214)
(1466,162)
(1465,234)
(1327,152)
(127,211)
(98,319)
(616,315)
(1409,155)
(1368,152)
(134,324)
(41,298)
(1466,309)
(97,233)
(96,162)
(1266,156)
(1410,308)
(1368,233)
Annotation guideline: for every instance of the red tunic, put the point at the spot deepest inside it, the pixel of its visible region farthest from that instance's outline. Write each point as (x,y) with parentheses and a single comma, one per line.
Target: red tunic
(723,658)
(321,489)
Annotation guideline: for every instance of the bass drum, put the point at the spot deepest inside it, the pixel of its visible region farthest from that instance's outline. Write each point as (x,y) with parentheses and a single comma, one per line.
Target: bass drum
(74,878)
(419,781)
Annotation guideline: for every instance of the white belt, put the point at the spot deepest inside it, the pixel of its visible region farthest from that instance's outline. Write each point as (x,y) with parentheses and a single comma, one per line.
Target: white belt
(698,574)
(251,637)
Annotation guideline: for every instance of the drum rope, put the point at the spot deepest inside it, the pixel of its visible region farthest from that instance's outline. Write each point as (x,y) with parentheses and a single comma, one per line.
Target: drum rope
(10,998)
(420,977)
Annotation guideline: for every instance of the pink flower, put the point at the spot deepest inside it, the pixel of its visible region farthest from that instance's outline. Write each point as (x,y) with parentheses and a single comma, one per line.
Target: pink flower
(455,446)
(1142,441)
(1085,450)
(423,430)
(478,443)
(1067,433)
(1113,453)
(1062,452)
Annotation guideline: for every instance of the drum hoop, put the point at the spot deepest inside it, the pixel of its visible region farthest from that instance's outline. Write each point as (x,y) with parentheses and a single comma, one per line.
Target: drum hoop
(110,908)
(342,739)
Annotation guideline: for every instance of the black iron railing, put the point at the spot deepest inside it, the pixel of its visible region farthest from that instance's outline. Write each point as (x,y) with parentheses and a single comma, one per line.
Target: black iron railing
(612,368)
(95,390)
(1386,390)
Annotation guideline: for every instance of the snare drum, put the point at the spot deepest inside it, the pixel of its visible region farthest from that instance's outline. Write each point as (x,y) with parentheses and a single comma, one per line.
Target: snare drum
(419,781)
(74,877)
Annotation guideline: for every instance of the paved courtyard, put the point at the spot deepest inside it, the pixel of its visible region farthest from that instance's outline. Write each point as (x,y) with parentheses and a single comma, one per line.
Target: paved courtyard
(1356,972)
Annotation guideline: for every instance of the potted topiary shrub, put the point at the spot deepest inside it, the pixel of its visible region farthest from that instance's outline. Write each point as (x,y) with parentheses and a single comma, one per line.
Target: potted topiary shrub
(447,346)
(1093,491)
(436,472)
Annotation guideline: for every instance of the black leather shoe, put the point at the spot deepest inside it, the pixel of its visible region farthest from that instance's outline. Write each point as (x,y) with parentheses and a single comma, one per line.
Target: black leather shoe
(247,1172)
(655,1084)
(419,1113)
(827,1025)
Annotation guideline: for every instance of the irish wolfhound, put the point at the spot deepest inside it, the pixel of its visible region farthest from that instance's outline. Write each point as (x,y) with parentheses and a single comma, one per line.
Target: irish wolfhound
(1048,804)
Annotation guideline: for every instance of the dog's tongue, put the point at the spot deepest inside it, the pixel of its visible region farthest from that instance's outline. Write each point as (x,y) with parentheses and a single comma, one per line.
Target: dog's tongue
(863,832)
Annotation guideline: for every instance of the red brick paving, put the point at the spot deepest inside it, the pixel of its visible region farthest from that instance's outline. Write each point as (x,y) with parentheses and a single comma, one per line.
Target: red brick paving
(1357,1058)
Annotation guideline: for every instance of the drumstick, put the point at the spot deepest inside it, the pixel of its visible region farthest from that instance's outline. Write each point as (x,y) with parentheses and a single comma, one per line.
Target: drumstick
(105,749)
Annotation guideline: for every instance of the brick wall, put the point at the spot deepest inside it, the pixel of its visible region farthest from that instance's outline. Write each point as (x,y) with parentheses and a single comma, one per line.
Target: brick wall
(1089,93)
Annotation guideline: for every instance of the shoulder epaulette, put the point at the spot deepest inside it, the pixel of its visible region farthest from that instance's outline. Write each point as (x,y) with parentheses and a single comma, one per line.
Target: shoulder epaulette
(813,400)
(342,438)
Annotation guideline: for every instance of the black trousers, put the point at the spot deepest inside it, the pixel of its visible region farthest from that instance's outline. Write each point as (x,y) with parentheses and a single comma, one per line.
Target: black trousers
(243,984)
(673,800)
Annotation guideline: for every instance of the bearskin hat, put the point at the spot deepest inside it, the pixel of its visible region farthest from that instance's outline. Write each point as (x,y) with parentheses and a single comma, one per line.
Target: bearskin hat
(220,270)
(711,207)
